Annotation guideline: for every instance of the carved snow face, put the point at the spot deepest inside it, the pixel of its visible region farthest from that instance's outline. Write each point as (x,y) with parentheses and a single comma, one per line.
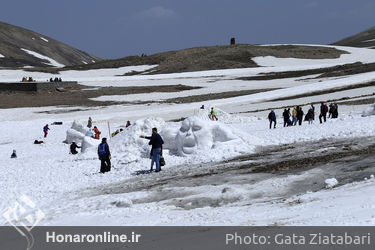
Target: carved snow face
(193,135)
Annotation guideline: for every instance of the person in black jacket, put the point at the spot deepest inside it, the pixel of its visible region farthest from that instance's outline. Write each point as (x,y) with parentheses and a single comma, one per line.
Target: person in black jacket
(323,112)
(73,148)
(335,112)
(299,115)
(14,154)
(157,148)
(286,115)
(104,156)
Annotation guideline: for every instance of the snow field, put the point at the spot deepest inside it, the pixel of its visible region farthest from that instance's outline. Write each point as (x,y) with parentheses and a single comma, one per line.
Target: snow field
(62,185)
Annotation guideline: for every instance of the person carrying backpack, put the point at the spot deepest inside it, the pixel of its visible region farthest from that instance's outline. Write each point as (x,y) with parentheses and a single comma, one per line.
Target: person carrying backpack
(272,118)
(104,156)
(157,148)
(323,112)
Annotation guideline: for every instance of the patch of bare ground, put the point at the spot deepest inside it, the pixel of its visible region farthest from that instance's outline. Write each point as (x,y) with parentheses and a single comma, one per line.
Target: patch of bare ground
(77,96)
(214,96)
(341,101)
(359,102)
(322,92)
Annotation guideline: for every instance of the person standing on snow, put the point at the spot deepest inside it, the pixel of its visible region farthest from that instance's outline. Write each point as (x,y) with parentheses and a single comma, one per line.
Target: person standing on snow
(309,116)
(73,148)
(14,155)
(272,118)
(45,130)
(286,115)
(97,133)
(104,156)
(330,110)
(299,115)
(313,111)
(213,114)
(335,112)
(323,112)
(89,123)
(157,148)
(294,116)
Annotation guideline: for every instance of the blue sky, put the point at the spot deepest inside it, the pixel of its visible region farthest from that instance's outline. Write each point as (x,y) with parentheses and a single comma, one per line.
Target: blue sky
(117,28)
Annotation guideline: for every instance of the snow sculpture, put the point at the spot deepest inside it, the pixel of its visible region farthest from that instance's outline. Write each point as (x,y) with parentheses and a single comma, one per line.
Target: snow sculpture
(88,142)
(77,134)
(196,134)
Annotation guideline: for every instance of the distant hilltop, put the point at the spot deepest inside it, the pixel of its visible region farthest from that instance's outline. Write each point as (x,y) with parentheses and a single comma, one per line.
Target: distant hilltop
(364,39)
(20,47)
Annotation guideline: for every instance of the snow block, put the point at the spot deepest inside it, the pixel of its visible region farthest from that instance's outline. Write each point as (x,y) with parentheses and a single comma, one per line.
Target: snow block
(369,111)
(88,142)
(330,183)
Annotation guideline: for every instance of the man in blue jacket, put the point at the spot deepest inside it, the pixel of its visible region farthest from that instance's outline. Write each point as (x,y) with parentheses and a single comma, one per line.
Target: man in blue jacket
(104,156)
(272,118)
(156,151)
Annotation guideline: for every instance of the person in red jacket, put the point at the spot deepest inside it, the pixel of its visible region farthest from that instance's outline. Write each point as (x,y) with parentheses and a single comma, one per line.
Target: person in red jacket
(97,133)
(45,130)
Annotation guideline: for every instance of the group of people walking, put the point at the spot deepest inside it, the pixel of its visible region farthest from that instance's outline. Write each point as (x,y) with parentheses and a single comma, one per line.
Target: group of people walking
(296,116)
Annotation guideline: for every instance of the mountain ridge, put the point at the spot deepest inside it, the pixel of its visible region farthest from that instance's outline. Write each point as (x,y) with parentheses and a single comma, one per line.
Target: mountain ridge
(20,47)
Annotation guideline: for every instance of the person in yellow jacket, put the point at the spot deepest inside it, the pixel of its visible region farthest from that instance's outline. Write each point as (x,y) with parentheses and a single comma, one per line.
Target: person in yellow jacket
(294,116)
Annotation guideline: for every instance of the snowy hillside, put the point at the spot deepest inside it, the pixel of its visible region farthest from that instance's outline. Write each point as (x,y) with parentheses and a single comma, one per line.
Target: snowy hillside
(20,47)
(234,171)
